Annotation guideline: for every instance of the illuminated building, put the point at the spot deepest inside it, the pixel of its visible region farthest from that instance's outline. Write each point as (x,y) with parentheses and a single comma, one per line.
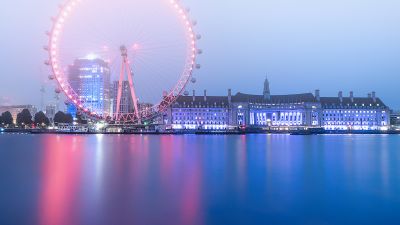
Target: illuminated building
(257,111)
(298,110)
(395,120)
(277,112)
(90,78)
(199,112)
(354,113)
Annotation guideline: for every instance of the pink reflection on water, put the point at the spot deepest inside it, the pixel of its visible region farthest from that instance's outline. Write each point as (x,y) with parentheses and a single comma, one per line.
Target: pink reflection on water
(180,175)
(167,161)
(241,163)
(61,174)
(191,199)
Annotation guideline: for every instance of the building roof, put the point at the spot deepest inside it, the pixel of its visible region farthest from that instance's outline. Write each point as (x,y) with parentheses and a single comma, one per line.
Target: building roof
(211,101)
(276,99)
(326,102)
(347,101)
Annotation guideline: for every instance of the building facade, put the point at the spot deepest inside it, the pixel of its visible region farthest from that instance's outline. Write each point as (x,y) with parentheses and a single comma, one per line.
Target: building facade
(199,112)
(395,120)
(278,112)
(90,79)
(354,113)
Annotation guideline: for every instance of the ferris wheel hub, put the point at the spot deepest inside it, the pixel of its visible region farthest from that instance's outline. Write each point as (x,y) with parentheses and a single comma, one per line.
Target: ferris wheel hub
(59,65)
(124,51)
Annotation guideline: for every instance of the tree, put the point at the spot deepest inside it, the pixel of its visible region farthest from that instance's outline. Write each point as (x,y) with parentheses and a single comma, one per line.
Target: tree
(41,119)
(68,118)
(24,118)
(59,117)
(7,118)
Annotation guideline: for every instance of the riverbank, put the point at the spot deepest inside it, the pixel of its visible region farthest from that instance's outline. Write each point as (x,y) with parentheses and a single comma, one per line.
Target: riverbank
(206,132)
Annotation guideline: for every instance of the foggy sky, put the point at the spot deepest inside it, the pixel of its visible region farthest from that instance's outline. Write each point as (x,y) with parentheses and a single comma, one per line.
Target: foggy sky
(303,45)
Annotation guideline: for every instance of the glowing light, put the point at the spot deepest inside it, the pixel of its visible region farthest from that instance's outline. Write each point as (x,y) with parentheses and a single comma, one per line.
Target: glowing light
(66,10)
(91,56)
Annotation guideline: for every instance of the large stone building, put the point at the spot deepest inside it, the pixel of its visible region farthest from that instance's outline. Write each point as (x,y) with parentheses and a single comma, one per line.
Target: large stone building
(195,112)
(354,113)
(395,120)
(295,111)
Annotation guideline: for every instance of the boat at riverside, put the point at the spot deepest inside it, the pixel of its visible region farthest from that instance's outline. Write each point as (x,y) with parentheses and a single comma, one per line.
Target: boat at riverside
(64,129)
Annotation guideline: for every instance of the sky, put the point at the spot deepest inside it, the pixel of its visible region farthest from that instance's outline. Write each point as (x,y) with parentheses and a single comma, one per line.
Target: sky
(331,45)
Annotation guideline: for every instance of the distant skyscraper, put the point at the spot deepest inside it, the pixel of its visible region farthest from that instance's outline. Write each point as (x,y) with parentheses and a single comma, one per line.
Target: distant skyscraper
(51,111)
(126,99)
(90,78)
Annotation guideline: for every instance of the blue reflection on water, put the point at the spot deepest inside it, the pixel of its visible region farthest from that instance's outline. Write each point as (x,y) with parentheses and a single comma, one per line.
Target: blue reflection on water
(179,180)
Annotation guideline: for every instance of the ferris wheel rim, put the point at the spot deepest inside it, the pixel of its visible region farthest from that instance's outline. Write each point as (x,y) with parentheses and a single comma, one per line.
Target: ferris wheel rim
(55,63)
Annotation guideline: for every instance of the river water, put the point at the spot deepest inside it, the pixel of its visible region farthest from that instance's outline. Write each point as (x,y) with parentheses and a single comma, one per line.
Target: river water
(199,180)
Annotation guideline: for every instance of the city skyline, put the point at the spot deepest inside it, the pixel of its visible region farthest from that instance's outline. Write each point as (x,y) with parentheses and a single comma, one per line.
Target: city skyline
(199,112)
(346,50)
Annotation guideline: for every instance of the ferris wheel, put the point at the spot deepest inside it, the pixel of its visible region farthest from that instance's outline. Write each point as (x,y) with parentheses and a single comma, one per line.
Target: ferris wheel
(122,60)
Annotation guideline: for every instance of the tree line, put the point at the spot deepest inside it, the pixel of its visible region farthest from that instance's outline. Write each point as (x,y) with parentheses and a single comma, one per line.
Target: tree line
(25,119)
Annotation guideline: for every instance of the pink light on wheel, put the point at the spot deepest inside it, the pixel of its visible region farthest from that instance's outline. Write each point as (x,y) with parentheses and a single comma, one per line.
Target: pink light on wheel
(59,66)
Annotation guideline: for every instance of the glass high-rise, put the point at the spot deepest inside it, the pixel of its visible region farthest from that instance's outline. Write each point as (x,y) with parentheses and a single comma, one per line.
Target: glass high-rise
(90,78)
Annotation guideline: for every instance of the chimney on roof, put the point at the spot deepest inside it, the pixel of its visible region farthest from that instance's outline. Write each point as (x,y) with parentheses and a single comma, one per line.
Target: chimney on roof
(205,95)
(194,95)
(374,96)
(229,96)
(318,95)
(340,95)
(351,96)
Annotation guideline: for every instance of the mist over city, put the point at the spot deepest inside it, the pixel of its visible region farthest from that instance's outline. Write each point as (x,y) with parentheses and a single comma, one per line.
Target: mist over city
(302,45)
(199,112)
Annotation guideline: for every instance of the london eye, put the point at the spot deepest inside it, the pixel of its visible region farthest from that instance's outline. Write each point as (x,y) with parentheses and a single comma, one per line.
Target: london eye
(124,61)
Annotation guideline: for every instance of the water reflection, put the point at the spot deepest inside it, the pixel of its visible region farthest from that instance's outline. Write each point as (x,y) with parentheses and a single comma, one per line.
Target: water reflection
(62,161)
(196,180)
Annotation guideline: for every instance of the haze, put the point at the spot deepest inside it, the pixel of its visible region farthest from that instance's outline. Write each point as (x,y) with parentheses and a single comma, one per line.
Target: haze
(331,45)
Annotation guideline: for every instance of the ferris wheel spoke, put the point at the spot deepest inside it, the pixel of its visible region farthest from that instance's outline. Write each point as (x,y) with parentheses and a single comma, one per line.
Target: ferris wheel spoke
(160,57)
(163,77)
